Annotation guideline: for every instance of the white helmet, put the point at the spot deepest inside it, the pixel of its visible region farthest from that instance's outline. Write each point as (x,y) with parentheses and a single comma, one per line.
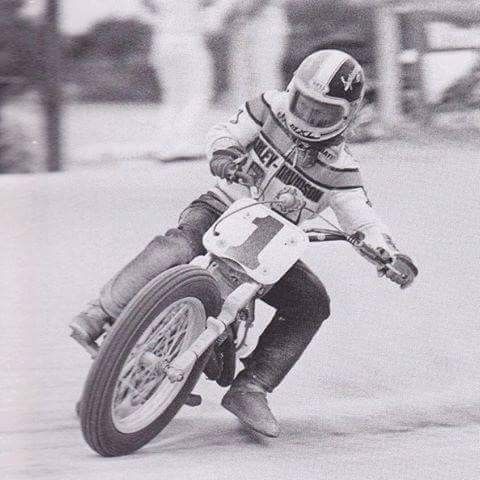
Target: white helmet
(324,95)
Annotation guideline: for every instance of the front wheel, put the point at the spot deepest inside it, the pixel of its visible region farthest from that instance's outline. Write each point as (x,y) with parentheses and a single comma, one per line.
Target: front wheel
(125,402)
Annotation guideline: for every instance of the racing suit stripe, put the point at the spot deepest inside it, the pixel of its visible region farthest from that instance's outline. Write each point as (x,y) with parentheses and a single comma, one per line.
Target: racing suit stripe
(336,169)
(275,119)
(233,152)
(355,213)
(332,178)
(339,181)
(255,119)
(257,111)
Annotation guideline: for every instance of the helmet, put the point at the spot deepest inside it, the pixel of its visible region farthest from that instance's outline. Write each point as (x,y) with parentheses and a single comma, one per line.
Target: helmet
(324,95)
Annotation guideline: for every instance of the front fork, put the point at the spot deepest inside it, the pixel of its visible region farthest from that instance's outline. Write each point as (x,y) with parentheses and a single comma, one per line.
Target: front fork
(238,290)
(236,301)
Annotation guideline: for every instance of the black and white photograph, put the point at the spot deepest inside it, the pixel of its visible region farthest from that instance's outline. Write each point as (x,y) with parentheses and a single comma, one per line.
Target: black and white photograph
(239,239)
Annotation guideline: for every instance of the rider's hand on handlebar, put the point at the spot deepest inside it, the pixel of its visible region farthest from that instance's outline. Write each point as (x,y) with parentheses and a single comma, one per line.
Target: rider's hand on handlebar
(401,270)
(234,173)
(224,165)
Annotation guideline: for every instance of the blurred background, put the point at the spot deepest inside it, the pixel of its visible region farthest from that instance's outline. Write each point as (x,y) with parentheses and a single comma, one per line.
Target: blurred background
(94,82)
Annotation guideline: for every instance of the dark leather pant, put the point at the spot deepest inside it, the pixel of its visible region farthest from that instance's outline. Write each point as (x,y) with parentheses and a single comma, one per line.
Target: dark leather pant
(300,298)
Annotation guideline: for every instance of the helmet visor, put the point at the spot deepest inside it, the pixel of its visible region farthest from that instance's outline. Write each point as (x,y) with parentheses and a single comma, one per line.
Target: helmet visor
(316,114)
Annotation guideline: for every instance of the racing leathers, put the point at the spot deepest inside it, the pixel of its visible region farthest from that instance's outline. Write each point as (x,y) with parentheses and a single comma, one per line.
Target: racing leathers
(318,175)
(321,175)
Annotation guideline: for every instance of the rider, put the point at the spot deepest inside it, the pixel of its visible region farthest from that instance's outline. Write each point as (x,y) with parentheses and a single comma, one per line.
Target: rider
(292,140)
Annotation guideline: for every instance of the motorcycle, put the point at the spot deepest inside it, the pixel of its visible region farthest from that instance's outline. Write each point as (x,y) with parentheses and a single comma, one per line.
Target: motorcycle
(189,320)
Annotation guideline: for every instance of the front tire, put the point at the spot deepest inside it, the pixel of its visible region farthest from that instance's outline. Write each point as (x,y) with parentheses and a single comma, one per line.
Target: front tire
(124,404)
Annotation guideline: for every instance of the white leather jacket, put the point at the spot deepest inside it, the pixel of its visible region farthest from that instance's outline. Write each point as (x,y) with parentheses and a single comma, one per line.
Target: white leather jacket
(322,177)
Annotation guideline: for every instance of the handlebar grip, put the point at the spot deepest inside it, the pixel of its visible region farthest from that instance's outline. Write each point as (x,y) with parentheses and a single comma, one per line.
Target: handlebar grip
(325,237)
(388,267)
(244,179)
(380,258)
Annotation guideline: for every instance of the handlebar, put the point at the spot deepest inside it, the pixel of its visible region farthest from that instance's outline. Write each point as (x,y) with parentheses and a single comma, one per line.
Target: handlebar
(381,258)
(325,235)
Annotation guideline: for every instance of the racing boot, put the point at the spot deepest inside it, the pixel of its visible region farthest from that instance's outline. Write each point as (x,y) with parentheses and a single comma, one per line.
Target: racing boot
(247,400)
(89,325)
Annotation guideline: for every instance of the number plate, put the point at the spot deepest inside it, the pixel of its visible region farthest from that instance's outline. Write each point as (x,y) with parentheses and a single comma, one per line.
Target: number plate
(264,243)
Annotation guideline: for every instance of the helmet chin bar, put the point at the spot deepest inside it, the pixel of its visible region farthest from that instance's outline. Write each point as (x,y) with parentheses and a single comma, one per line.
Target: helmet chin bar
(305,132)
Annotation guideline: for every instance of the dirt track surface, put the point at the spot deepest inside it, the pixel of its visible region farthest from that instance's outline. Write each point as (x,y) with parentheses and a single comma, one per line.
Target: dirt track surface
(388,388)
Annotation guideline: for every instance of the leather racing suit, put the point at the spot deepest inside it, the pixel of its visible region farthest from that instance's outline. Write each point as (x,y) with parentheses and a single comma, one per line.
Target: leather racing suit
(324,175)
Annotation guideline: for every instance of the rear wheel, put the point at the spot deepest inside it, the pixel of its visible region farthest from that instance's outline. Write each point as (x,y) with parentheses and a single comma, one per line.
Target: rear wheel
(128,399)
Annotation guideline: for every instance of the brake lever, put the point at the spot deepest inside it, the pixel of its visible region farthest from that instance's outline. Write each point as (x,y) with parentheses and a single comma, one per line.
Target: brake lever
(383,271)
(372,254)
(382,259)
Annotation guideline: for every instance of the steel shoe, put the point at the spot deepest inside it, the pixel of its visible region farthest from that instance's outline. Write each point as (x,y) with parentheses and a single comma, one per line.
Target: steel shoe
(247,400)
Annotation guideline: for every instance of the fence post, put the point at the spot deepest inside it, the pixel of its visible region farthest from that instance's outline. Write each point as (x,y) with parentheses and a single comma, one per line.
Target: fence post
(420,40)
(52,86)
(389,74)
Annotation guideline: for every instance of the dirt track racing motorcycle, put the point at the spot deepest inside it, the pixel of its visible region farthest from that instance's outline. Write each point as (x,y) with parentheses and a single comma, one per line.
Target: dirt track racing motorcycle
(189,320)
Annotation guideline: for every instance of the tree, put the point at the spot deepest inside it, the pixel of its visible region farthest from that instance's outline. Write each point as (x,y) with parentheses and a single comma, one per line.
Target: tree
(116,39)
(18,40)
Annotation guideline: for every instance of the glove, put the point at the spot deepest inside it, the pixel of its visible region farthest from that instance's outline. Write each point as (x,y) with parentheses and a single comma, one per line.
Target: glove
(405,267)
(225,165)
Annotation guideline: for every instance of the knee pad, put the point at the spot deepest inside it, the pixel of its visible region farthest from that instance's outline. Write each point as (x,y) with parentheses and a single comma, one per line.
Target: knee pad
(175,245)
(188,238)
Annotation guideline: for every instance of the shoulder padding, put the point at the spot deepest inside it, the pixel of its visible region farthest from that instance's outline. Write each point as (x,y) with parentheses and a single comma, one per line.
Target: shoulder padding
(260,107)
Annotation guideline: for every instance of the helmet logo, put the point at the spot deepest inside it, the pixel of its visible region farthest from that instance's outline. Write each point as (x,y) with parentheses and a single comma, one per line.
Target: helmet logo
(353,77)
(303,133)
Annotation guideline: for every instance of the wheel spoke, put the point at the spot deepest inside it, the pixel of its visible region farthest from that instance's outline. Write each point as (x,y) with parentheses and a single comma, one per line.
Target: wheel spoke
(177,336)
(147,389)
(126,392)
(169,323)
(148,377)
(142,389)
(175,347)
